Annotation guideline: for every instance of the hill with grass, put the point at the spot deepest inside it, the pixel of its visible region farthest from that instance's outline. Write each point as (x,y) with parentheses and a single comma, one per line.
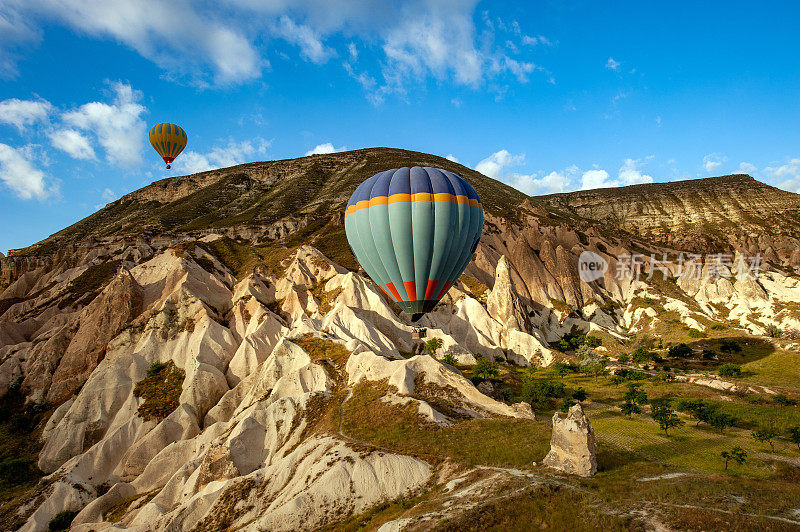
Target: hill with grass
(206,354)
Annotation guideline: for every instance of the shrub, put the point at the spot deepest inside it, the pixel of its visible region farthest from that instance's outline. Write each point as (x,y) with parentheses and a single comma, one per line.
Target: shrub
(594,341)
(623,359)
(450,359)
(641,355)
(538,392)
(62,520)
(773,331)
(709,354)
(794,435)
(160,390)
(729,370)
(663,376)
(566,404)
(432,346)
(696,333)
(485,370)
(16,470)
(680,351)
(730,346)
(579,394)
(783,400)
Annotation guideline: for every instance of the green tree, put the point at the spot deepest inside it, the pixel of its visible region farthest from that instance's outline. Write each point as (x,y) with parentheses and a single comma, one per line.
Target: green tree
(485,370)
(697,408)
(794,436)
(666,418)
(633,399)
(680,351)
(560,369)
(737,454)
(773,331)
(721,420)
(730,346)
(766,434)
(579,394)
(450,359)
(622,359)
(729,370)
(433,345)
(566,404)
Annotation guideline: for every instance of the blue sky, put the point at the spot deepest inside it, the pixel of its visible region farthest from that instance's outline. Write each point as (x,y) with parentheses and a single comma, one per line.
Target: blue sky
(547,96)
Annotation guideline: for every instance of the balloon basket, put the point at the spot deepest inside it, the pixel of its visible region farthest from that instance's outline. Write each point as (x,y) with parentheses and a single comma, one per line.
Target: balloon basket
(417,333)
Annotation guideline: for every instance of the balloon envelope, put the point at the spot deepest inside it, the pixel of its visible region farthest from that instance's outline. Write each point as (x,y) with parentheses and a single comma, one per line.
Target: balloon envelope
(414,230)
(168,140)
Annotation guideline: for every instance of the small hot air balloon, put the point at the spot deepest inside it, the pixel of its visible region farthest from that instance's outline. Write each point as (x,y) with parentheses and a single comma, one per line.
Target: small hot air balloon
(414,230)
(168,140)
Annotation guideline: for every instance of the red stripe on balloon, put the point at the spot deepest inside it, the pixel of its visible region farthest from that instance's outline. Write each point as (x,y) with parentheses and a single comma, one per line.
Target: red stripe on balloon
(394,291)
(444,289)
(429,289)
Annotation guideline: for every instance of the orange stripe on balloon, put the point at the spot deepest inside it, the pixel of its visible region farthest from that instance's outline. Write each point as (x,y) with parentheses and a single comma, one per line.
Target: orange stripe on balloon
(429,289)
(419,196)
(444,290)
(411,290)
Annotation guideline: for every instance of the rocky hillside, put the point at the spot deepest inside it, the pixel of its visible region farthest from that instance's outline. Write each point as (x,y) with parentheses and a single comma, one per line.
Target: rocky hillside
(205,354)
(710,214)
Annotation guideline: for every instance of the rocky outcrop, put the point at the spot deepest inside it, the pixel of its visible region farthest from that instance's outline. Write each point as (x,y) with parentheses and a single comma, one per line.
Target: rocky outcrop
(118,304)
(572,448)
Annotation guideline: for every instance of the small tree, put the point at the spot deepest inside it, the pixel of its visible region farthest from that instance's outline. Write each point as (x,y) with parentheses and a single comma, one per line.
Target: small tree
(633,398)
(729,370)
(566,404)
(737,454)
(622,359)
(579,394)
(721,420)
(773,331)
(666,418)
(433,345)
(485,370)
(783,400)
(450,359)
(680,351)
(766,434)
(730,346)
(698,409)
(794,436)
(560,369)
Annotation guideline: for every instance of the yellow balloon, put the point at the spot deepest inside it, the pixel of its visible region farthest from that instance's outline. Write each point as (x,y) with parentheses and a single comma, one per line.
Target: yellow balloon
(168,140)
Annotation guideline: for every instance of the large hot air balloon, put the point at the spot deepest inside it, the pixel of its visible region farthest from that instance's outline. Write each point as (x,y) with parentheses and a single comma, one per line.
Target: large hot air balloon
(414,230)
(168,140)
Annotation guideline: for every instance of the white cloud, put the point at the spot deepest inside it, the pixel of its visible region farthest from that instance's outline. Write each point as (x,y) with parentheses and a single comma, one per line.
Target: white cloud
(535,185)
(494,165)
(533,41)
(118,126)
(786,175)
(72,142)
(16,31)
(205,43)
(611,64)
(18,173)
(451,157)
(630,174)
(231,154)
(597,179)
(178,35)
(311,46)
(24,113)
(747,168)
(712,162)
(328,147)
